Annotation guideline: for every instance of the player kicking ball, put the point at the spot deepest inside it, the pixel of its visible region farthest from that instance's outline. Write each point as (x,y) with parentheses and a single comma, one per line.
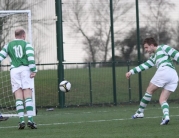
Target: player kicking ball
(165,76)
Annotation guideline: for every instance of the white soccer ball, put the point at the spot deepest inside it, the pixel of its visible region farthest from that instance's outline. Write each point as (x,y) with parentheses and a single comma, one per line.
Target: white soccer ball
(65,86)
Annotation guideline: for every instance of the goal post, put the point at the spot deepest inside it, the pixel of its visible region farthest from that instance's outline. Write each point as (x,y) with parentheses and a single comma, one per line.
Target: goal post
(28,12)
(9,21)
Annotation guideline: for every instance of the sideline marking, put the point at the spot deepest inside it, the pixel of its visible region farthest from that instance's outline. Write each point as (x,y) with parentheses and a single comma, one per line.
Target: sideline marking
(92,121)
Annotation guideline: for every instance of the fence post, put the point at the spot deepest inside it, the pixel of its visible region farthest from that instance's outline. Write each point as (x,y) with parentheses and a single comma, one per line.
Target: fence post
(90,80)
(129,81)
(113,53)
(138,49)
(60,57)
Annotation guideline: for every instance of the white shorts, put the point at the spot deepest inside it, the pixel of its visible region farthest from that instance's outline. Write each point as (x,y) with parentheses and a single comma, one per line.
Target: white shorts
(166,77)
(20,78)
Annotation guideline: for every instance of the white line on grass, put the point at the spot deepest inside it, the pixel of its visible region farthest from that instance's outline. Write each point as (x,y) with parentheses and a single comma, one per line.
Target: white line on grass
(80,122)
(106,111)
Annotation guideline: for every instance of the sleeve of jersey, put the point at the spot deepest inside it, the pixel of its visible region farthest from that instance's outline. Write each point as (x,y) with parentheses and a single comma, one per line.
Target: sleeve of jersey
(30,57)
(144,66)
(3,53)
(171,52)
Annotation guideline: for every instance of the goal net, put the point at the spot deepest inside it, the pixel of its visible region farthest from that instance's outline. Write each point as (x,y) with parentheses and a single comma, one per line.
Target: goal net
(9,22)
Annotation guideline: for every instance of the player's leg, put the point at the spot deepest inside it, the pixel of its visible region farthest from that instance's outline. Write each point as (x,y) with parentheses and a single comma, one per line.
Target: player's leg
(171,83)
(145,100)
(20,107)
(27,85)
(153,86)
(29,108)
(165,106)
(16,89)
(28,104)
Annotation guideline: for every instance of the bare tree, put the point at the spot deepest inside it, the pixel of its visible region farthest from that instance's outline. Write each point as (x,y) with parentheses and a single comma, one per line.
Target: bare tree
(77,17)
(96,32)
(127,46)
(175,31)
(158,16)
(19,5)
(156,25)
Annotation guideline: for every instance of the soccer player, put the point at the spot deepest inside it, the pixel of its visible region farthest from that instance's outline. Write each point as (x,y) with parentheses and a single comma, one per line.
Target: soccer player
(3,118)
(22,72)
(165,76)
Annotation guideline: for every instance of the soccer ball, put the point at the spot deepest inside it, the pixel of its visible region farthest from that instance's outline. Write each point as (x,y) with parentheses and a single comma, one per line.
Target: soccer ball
(65,86)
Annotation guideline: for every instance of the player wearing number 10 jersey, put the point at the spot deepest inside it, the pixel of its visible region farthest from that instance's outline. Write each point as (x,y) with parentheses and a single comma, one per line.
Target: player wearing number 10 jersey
(21,53)
(22,72)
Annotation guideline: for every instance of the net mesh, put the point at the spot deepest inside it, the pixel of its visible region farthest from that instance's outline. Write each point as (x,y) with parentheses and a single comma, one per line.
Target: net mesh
(7,100)
(9,22)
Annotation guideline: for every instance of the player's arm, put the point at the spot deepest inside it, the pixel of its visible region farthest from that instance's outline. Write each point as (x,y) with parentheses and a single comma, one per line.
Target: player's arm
(31,59)
(144,66)
(171,52)
(3,53)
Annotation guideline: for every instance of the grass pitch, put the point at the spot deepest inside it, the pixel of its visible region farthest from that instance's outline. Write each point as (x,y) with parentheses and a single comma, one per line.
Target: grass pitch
(96,122)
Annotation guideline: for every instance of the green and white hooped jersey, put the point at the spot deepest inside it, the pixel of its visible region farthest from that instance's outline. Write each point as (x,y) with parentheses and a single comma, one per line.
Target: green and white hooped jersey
(21,53)
(162,57)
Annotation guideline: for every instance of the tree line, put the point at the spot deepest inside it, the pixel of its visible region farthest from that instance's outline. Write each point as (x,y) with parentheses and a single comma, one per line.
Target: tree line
(91,19)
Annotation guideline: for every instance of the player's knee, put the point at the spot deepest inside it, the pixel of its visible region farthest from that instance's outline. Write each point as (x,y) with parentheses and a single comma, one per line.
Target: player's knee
(162,100)
(151,88)
(149,91)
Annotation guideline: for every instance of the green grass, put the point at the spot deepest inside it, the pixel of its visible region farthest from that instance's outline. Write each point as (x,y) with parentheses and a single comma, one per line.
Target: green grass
(102,86)
(96,122)
(101,90)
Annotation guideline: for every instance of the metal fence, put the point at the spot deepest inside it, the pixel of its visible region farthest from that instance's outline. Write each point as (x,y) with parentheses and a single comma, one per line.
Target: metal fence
(94,85)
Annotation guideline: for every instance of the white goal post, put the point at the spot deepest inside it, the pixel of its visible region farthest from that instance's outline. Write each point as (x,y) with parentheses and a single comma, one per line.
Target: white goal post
(10,20)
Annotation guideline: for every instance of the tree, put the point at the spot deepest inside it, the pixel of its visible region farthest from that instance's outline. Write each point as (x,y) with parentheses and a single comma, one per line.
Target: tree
(18,5)
(97,32)
(127,46)
(158,18)
(175,31)
(157,26)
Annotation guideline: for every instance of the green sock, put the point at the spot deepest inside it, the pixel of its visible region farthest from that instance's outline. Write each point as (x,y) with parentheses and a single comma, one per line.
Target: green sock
(20,109)
(29,109)
(144,101)
(21,119)
(165,109)
(30,119)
